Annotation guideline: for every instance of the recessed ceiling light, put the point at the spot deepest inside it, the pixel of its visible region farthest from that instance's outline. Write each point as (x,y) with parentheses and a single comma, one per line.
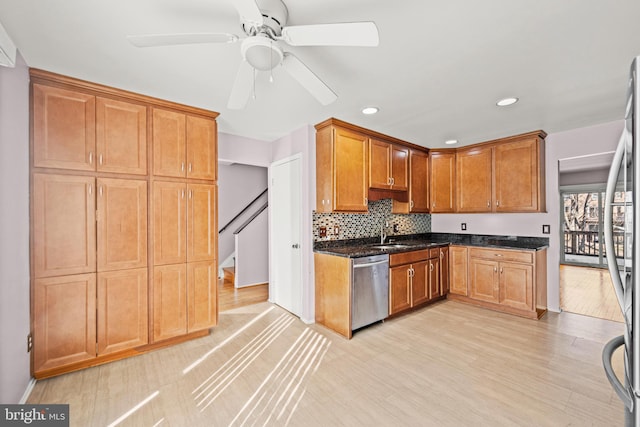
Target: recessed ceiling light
(370,110)
(451,141)
(506,101)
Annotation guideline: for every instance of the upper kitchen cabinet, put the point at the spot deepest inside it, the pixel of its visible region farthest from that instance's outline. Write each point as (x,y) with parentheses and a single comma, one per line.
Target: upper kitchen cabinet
(418,185)
(184,145)
(442,182)
(473,179)
(520,175)
(341,169)
(78,131)
(64,128)
(505,175)
(388,166)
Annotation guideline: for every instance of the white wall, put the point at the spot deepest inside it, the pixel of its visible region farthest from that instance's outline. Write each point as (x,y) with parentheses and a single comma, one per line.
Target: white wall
(246,151)
(303,141)
(238,185)
(562,145)
(14,231)
(252,257)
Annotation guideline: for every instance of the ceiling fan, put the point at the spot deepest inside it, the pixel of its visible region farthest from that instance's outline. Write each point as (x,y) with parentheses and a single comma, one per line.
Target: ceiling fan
(264,23)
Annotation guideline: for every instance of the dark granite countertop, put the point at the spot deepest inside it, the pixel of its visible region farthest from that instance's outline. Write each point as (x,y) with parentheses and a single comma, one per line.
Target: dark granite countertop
(355,248)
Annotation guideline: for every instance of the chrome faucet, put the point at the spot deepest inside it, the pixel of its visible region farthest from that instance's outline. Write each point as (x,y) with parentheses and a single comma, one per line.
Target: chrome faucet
(383,235)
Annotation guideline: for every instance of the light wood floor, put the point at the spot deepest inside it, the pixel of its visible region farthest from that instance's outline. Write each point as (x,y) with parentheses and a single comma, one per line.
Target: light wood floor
(588,291)
(229,297)
(448,364)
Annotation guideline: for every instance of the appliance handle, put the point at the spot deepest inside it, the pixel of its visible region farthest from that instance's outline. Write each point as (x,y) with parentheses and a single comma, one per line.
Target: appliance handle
(369,264)
(608,223)
(621,390)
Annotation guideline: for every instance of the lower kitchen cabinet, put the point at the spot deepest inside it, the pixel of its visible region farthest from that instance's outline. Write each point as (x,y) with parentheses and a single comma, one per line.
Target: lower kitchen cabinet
(513,281)
(84,316)
(184,299)
(458,270)
(414,279)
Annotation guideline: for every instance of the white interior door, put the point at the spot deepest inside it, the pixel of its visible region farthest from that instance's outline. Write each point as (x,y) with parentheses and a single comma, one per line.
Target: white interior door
(286,252)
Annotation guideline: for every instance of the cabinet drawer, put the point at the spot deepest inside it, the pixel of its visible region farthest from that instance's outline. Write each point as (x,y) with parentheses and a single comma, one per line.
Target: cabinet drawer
(502,255)
(408,257)
(434,253)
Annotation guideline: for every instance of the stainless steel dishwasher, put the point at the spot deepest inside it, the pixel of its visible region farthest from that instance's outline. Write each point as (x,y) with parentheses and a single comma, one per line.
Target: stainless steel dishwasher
(370,290)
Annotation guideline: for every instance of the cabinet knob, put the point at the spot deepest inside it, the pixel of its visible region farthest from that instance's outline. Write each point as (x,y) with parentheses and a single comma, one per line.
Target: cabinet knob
(497,202)
(495,269)
(489,204)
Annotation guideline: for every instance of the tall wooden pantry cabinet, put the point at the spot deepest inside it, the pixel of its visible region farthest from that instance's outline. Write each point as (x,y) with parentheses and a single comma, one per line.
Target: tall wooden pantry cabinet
(123,223)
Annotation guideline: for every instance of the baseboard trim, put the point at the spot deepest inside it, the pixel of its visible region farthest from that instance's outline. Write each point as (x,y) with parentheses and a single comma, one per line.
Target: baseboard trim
(27,392)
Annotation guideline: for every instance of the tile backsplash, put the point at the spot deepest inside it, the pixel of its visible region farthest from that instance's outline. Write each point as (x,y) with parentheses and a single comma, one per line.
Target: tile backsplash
(360,225)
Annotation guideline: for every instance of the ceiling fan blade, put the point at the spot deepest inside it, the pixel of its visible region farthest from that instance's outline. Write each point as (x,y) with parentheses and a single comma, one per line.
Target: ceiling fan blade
(346,34)
(249,11)
(151,40)
(308,80)
(242,86)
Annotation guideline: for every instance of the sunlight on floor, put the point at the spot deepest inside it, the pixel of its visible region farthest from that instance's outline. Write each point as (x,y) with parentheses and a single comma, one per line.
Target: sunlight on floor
(207,392)
(226,341)
(134,409)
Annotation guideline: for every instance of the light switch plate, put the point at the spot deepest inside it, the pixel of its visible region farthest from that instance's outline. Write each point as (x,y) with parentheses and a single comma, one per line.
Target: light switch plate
(463,226)
(546,229)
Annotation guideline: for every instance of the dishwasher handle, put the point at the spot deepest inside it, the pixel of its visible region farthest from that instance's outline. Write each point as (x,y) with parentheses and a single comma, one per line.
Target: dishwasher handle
(370,264)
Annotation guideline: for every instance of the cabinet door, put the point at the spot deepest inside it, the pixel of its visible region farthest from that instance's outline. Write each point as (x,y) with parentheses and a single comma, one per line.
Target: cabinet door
(201,222)
(169,222)
(64,328)
(202,156)
(169,301)
(350,171)
(517,176)
(122,224)
(399,168)
(458,269)
(202,310)
(419,182)
(516,285)
(444,271)
(434,278)
(64,129)
(64,225)
(419,282)
(121,136)
(379,164)
(169,143)
(442,183)
(485,285)
(473,175)
(122,310)
(399,289)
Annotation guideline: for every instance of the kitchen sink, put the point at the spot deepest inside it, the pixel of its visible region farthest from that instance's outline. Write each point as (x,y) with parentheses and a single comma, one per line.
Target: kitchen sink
(390,246)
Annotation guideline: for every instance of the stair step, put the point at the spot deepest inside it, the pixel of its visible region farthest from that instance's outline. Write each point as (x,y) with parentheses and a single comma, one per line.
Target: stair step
(229,273)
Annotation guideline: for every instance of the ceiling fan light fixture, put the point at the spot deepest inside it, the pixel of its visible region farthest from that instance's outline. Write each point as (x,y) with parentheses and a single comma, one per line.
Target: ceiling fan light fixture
(506,102)
(261,53)
(370,110)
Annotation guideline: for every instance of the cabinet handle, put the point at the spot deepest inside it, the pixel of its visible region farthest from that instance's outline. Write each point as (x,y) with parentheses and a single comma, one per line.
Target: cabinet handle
(90,158)
(498,254)
(388,181)
(501,270)
(489,204)
(495,269)
(430,267)
(90,189)
(190,167)
(441,254)
(190,194)
(182,167)
(497,203)
(393,181)
(411,205)
(183,193)
(100,190)
(100,159)
(366,201)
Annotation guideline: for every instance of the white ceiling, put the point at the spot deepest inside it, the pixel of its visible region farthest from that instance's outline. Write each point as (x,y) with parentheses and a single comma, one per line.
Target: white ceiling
(439,69)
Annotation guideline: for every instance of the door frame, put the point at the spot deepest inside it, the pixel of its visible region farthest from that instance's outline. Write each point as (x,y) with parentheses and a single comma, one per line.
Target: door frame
(273,232)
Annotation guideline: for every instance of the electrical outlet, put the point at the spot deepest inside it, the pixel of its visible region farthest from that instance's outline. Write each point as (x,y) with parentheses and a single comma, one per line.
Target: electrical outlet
(463,226)
(29,343)
(395,228)
(322,231)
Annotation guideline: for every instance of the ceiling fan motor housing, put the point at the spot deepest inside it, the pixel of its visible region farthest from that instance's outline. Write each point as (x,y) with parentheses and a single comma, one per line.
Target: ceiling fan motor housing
(275,16)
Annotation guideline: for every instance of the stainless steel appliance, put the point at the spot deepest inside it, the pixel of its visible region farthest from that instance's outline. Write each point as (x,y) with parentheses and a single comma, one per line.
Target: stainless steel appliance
(621,222)
(370,290)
